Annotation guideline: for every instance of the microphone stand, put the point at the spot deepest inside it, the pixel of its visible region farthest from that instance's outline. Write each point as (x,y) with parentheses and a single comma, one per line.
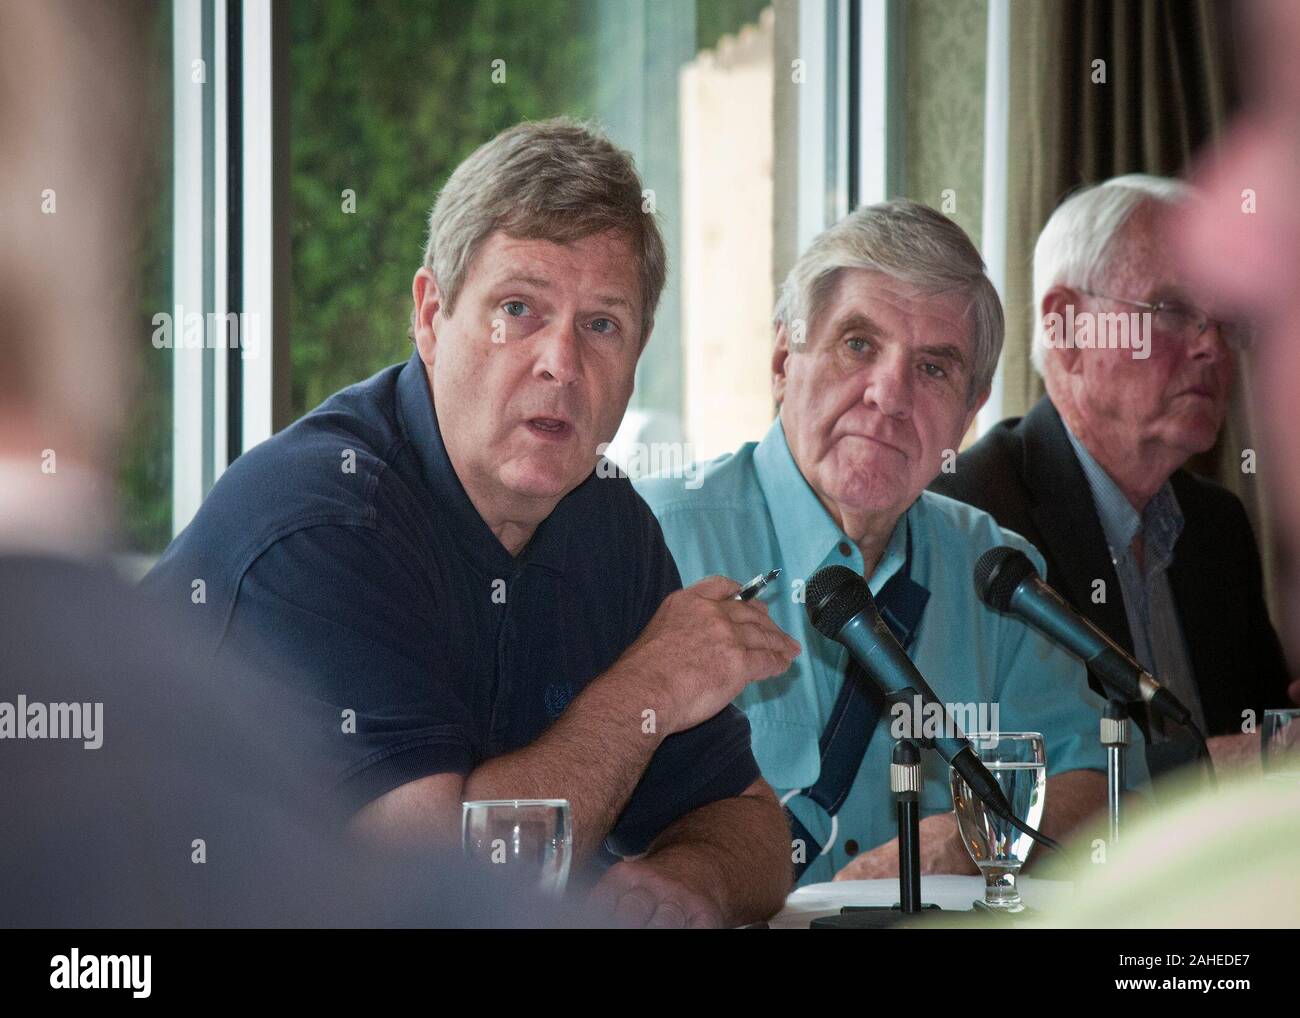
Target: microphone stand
(1115,726)
(905,783)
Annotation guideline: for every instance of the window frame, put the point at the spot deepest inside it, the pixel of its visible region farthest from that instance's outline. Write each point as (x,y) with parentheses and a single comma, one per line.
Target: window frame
(230,240)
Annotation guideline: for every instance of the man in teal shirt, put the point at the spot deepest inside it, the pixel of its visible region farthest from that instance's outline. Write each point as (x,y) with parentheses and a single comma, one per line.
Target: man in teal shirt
(887,335)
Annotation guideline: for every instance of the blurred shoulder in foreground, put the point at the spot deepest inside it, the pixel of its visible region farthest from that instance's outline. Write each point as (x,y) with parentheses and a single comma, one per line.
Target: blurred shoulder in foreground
(1225,859)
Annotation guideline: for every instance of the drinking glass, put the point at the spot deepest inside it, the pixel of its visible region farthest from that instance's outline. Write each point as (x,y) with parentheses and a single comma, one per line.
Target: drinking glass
(1018,762)
(531,839)
(1279,743)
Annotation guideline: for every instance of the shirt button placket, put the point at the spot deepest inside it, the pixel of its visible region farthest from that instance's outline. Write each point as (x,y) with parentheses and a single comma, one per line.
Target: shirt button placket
(501,682)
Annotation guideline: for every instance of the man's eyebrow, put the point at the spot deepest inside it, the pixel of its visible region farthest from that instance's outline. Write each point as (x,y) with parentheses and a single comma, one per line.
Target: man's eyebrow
(947,350)
(541,283)
(526,280)
(862,323)
(857,321)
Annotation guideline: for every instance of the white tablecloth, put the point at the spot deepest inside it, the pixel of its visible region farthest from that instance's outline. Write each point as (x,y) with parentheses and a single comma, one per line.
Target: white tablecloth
(948,892)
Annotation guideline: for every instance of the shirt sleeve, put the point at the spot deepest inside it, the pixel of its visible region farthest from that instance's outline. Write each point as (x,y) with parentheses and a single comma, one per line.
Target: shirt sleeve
(707,763)
(339,614)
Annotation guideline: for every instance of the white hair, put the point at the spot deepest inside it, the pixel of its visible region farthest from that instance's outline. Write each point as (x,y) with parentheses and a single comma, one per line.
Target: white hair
(1075,247)
(914,244)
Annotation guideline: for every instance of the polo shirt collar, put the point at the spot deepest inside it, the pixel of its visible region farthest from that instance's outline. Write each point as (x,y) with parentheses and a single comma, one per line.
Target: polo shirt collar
(805,532)
(419,421)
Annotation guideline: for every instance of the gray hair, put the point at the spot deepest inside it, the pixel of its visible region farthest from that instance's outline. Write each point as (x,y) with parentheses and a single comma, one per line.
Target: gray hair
(914,244)
(1077,245)
(558,180)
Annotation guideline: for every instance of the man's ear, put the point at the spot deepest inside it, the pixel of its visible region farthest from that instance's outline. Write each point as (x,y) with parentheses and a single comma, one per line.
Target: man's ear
(428,302)
(1055,303)
(780,357)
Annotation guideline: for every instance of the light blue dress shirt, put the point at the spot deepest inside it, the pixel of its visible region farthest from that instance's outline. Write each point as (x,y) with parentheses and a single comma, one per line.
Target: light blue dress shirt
(747,512)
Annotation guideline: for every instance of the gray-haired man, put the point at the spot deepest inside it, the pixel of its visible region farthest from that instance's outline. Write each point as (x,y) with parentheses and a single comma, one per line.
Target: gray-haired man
(1138,374)
(433,553)
(887,333)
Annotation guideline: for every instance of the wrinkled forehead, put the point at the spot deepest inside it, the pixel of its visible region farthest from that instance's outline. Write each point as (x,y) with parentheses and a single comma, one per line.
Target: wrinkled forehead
(894,308)
(599,267)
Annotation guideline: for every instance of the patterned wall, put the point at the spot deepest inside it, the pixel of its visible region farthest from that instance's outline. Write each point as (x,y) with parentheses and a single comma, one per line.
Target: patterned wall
(944,99)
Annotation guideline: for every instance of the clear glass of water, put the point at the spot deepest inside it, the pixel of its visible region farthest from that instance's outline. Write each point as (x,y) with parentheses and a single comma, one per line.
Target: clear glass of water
(1018,762)
(530,839)
(1279,744)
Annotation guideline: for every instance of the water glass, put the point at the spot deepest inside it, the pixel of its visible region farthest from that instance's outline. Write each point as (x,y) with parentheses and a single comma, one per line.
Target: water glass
(531,839)
(1018,762)
(1279,743)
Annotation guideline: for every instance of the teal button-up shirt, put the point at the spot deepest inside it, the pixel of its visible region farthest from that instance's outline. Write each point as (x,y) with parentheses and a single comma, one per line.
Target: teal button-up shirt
(748,512)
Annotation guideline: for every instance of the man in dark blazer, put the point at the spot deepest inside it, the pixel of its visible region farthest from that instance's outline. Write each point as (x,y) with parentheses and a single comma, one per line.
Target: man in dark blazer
(1093,474)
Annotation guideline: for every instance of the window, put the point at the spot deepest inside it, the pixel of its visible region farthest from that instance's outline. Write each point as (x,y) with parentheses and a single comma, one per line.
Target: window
(302,145)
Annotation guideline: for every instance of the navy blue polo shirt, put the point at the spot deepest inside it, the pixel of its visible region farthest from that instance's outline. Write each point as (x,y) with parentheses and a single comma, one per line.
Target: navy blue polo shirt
(344,554)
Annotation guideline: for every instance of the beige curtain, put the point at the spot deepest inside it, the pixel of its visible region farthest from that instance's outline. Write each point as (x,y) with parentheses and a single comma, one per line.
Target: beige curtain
(1105,87)
(1165,85)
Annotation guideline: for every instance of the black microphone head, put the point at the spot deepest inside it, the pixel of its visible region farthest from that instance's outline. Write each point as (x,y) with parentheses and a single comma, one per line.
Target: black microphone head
(833,596)
(998,573)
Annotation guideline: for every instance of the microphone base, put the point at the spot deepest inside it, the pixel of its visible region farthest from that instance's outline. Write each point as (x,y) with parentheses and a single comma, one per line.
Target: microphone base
(874,917)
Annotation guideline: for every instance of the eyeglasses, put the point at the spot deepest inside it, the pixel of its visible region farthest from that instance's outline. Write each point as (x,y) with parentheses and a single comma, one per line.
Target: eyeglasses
(1185,322)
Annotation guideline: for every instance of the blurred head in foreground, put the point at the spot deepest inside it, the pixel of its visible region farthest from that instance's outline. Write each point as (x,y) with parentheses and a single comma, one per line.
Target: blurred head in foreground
(71,140)
(141,789)
(1243,240)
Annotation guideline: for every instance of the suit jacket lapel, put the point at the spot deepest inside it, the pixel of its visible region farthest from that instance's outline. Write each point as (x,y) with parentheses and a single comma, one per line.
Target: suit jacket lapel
(1074,543)
(1200,617)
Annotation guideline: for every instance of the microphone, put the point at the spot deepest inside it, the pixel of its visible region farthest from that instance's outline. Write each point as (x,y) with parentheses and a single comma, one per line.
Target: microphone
(841,608)
(1007,581)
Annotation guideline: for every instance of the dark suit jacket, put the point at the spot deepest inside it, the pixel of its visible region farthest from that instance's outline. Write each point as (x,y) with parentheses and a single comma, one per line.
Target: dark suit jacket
(1025,473)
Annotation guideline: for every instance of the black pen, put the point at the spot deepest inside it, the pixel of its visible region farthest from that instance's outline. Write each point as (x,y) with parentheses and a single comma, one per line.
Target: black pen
(756,584)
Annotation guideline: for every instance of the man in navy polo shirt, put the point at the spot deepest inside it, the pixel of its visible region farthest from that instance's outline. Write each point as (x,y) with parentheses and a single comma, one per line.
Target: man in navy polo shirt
(432,554)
